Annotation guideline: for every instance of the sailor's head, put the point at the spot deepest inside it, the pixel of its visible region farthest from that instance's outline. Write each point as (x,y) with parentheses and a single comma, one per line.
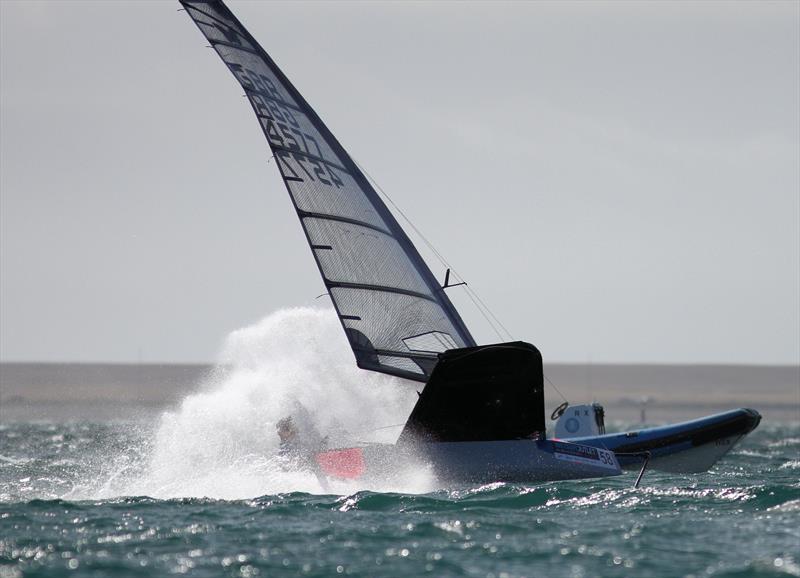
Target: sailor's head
(286,428)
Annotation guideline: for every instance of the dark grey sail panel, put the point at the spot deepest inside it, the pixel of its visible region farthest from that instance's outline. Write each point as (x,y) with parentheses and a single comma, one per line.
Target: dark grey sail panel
(393,310)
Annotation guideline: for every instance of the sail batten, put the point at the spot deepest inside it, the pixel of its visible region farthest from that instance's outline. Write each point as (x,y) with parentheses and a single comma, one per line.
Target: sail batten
(365,287)
(231,45)
(386,298)
(308,155)
(341,219)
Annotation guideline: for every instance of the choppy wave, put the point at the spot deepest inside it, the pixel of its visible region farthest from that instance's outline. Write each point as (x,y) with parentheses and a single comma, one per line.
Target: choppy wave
(591,528)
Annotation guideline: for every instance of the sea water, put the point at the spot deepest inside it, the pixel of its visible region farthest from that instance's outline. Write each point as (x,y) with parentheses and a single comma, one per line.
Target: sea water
(198,490)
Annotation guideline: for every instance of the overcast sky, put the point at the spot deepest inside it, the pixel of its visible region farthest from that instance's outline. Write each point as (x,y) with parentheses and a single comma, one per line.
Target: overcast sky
(620,182)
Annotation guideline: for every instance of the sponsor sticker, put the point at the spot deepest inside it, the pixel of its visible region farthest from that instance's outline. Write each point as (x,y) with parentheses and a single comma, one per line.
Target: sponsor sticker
(580,454)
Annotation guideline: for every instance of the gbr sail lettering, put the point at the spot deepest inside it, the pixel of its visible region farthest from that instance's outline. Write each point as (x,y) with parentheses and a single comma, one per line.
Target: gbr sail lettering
(298,152)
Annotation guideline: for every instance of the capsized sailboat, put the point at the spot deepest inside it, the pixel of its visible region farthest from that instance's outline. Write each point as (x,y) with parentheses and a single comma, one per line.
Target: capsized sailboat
(481,413)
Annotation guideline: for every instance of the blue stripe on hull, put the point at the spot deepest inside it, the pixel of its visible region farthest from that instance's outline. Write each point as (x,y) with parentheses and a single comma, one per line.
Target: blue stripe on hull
(675,438)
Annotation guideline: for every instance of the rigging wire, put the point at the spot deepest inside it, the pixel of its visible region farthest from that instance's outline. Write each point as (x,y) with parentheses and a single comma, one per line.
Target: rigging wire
(480,305)
(558,391)
(378,428)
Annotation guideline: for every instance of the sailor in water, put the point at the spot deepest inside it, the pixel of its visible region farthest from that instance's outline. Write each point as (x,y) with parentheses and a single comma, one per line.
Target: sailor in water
(287,432)
(296,449)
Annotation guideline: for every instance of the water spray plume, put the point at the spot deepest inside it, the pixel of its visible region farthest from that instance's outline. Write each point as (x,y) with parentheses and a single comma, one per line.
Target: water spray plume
(221,441)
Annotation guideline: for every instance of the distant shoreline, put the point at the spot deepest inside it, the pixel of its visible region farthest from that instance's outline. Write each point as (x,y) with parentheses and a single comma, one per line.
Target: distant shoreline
(65,390)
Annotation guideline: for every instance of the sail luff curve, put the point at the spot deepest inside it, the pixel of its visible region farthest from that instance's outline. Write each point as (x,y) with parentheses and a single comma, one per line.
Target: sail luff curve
(394,312)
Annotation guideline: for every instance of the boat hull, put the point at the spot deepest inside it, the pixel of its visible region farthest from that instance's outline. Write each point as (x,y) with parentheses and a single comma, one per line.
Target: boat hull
(475,462)
(517,461)
(688,447)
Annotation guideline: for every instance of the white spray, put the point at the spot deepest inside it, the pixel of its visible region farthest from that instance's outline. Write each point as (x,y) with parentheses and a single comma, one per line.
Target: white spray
(221,442)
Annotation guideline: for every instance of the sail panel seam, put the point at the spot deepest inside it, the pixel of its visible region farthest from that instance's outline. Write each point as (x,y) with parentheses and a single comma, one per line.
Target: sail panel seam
(207,15)
(268,96)
(234,46)
(382,288)
(305,154)
(309,215)
(404,354)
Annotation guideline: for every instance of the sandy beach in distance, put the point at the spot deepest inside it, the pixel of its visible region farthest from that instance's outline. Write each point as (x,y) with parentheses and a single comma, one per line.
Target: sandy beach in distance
(58,391)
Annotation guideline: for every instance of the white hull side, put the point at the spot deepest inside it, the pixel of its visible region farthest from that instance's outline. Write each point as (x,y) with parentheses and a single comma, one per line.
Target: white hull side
(483,462)
(691,461)
(519,460)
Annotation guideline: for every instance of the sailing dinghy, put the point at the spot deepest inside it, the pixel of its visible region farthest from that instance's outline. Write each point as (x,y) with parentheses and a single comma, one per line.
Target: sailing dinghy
(481,413)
